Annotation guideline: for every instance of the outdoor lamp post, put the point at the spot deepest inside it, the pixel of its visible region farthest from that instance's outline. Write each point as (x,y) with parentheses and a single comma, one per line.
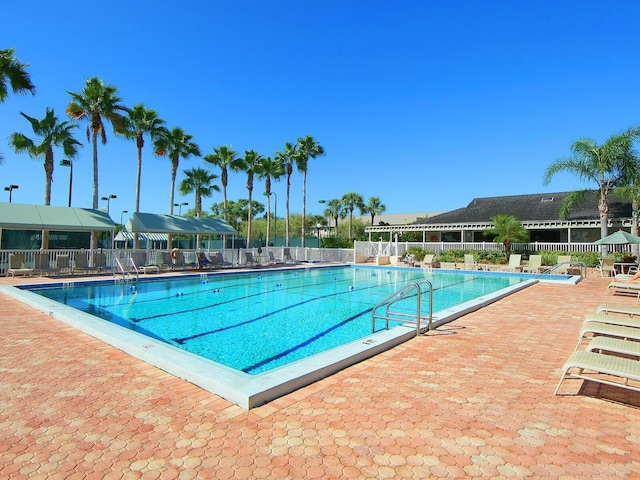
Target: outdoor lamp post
(68,163)
(108,200)
(10,189)
(179,205)
(275,216)
(121,215)
(318,226)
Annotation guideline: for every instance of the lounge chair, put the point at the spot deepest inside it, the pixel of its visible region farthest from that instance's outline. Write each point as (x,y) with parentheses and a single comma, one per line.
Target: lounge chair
(286,255)
(139,260)
(272,259)
(204,263)
(100,262)
(624,287)
(607,266)
(42,264)
(535,264)
(63,264)
(81,264)
(563,265)
(612,320)
(427,261)
(220,261)
(514,263)
(598,328)
(18,265)
(622,309)
(614,345)
(598,365)
(249,260)
(470,262)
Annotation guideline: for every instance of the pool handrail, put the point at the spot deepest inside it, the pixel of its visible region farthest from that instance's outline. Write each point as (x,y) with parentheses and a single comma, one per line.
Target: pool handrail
(401,295)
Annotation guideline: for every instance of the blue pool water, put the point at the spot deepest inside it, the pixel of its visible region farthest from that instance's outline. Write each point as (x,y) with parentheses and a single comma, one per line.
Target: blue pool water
(254,322)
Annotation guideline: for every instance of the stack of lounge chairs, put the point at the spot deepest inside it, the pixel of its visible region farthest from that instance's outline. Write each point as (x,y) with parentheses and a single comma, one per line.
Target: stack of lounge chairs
(608,348)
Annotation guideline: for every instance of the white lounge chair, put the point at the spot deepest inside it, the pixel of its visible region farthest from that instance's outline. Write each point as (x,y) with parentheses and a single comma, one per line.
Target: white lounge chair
(607,266)
(535,264)
(514,263)
(139,261)
(427,261)
(614,345)
(18,265)
(624,287)
(563,265)
(622,309)
(594,329)
(42,264)
(612,320)
(598,367)
(470,262)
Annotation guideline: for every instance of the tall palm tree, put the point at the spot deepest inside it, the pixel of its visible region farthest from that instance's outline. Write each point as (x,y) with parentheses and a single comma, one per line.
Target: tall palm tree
(374,207)
(507,229)
(334,210)
(307,148)
(50,132)
(251,165)
(13,74)
(270,169)
(288,158)
(141,120)
(199,181)
(225,158)
(350,201)
(175,143)
(96,103)
(605,165)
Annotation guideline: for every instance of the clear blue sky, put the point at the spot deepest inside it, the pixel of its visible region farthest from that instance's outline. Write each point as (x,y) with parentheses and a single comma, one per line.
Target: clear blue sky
(426,104)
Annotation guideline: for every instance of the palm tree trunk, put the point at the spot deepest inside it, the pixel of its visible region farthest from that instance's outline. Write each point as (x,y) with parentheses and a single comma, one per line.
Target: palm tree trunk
(635,248)
(304,205)
(94,234)
(136,241)
(287,233)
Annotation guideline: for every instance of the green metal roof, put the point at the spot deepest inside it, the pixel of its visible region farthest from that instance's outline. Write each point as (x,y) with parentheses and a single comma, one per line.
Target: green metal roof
(18,216)
(176,225)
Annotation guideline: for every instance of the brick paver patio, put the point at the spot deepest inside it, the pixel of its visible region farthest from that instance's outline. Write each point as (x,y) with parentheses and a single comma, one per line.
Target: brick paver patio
(471,400)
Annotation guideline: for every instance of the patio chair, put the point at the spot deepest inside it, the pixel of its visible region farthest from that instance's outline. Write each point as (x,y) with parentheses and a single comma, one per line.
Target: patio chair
(139,260)
(608,367)
(100,262)
(221,261)
(514,263)
(81,264)
(470,262)
(607,266)
(42,264)
(535,264)
(563,265)
(427,261)
(249,260)
(18,265)
(622,309)
(272,259)
(286,255)
(63,264)
(593,329)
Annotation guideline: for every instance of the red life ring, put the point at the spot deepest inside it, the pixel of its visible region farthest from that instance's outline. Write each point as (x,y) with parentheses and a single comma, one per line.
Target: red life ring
(433,238)
(174,253)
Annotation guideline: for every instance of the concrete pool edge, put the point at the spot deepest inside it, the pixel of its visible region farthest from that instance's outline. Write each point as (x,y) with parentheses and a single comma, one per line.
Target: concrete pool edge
(246,391)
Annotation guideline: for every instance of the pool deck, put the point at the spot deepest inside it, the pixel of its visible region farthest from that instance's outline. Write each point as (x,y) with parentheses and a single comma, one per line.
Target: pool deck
(473,399)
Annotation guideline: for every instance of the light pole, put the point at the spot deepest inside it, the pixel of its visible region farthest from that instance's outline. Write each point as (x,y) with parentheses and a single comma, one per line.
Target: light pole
(108,200)
(68,163)
(275,216)
(121,215)
(10,189)
(318,226)
(179,205)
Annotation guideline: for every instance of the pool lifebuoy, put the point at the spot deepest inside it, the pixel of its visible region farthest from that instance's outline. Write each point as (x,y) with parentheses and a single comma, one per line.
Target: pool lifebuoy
(174,253)
(433,238)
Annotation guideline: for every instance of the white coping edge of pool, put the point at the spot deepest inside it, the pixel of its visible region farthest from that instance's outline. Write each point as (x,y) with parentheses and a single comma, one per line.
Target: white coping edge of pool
(246,391)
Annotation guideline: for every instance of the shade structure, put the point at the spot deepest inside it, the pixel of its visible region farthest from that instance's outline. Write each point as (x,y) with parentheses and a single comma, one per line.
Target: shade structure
(618,238)
(177,225)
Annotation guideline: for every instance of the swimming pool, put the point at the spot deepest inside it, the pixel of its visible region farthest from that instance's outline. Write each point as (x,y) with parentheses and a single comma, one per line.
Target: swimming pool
(256,332)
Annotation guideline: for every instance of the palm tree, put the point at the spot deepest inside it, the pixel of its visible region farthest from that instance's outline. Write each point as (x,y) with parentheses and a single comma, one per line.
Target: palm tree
(225,158)
(606,165)
(14,75)
(50,133)
(200,181)
(334,210)
(251,165)
(288,158)
(350,201)
(270,168)
(94,104)
(139,121)
(307,148)
(507,229)
(374,207)
(175,143)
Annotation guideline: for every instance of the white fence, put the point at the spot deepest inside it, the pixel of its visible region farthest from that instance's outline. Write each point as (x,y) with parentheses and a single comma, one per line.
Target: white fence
(376,249)
(235,257)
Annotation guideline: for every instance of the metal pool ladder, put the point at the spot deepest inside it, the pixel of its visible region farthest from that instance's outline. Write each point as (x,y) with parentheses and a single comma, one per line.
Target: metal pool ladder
(409,291)
(127,275)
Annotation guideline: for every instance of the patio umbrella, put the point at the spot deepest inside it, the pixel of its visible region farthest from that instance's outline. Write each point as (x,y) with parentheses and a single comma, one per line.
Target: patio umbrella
(618,238)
